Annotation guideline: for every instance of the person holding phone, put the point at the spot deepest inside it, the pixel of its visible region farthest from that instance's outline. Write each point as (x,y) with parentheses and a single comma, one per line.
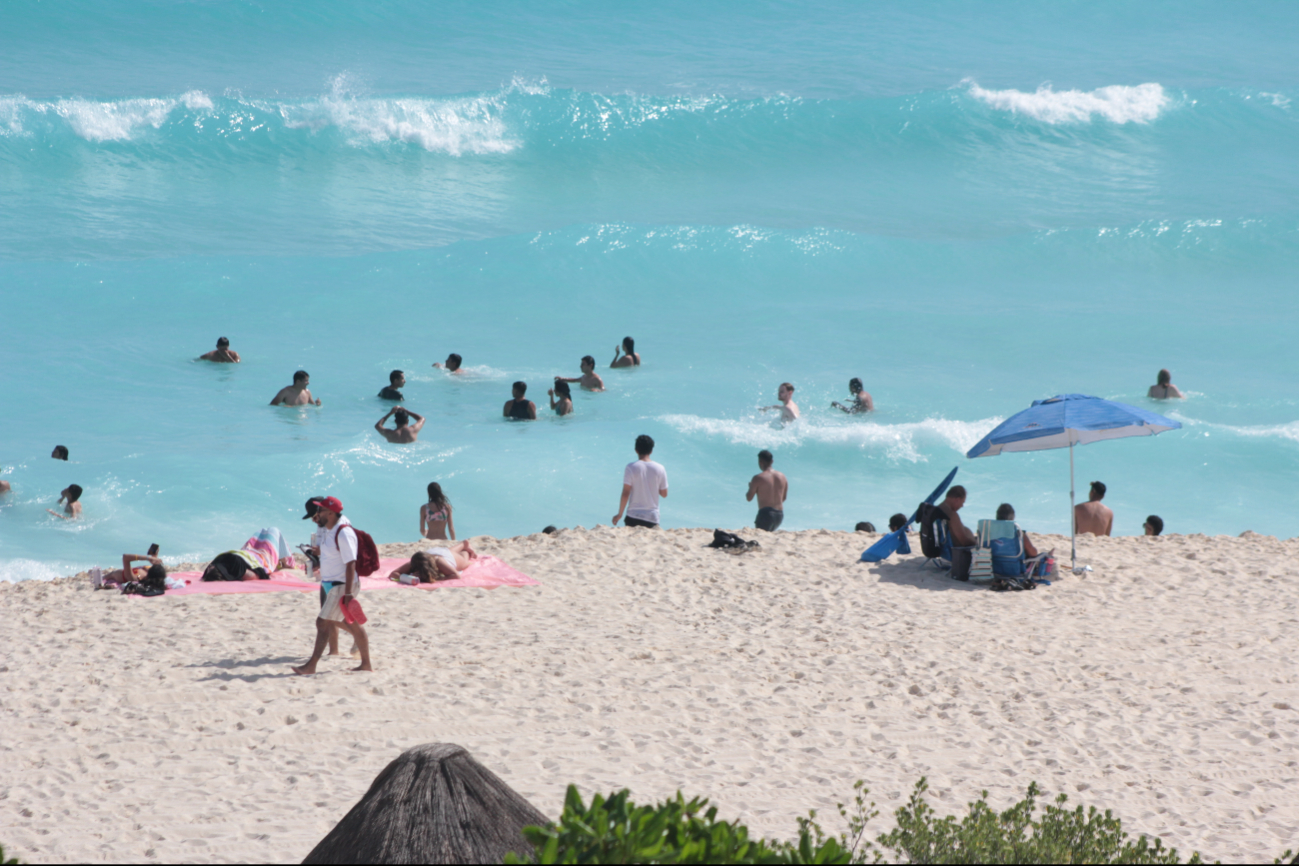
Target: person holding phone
(156,570)
(338,573)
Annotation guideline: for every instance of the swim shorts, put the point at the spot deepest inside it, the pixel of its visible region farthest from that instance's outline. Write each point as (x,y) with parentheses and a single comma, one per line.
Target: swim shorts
(769,519)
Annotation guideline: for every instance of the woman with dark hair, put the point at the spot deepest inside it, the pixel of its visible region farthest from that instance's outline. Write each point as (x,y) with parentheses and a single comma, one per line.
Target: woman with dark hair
(564,405)
(630,358)
(437,563)
(1006,511)
(156,572)
(435,518)
(1164,389)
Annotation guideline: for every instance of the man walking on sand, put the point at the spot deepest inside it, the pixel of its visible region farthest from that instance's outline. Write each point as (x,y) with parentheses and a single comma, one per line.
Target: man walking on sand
(643,482)
(771,488)
(338,577)
(1091,516)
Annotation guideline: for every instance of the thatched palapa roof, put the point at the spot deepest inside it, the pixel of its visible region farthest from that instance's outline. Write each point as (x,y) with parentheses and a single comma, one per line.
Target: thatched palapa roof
(433,804)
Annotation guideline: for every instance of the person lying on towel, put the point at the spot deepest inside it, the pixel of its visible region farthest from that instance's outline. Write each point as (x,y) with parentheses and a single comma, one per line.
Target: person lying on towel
(263,553)
(155,570)
(437,563)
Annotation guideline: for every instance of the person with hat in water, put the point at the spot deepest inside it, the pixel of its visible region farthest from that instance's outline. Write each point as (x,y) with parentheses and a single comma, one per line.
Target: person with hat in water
(340,581)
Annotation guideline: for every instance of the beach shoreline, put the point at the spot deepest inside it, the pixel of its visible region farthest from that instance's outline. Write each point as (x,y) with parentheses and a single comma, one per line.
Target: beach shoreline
(1161,686)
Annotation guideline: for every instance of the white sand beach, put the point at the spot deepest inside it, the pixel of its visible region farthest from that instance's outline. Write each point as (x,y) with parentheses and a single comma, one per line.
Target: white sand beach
(1162,685)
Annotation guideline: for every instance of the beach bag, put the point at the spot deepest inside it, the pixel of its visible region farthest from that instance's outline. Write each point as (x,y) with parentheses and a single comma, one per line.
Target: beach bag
(730,541)
(367,553)
(962,559)
(929,514)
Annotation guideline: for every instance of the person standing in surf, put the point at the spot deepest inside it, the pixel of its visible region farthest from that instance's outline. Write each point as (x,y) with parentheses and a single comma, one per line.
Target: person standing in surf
(788,408)
(589,380)
(223,354)
(861,399)
(630,359)
(296,394)
(771,488)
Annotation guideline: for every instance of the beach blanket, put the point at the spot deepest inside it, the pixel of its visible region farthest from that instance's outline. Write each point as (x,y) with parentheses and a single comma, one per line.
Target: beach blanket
(487,572)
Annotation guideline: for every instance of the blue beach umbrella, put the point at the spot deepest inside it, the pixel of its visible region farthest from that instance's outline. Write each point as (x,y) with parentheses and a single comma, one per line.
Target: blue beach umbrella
(1067,420)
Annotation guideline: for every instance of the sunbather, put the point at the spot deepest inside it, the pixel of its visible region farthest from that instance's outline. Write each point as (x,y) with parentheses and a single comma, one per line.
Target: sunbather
(437,563)
(262,554)
(155,571)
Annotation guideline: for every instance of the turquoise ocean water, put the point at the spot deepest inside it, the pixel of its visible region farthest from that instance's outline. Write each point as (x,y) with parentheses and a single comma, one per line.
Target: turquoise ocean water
(969,206)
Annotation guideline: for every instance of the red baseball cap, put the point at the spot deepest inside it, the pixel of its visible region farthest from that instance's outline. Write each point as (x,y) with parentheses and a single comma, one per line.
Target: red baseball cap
(331,503)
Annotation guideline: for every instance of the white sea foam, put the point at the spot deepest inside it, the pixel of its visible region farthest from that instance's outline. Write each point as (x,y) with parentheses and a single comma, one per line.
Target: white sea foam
(16,570)
(454,126)
(1116,103)
(118,121)
(1288,431)
(900,442)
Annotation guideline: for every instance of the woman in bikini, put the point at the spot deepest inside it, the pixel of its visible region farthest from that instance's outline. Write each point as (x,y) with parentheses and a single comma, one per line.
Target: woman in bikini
(435,519)
(1164,388)
(437,563)
(629,358)
(564,405)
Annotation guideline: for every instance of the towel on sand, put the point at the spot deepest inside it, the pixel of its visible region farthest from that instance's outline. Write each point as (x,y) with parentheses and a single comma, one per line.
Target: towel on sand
(487,572)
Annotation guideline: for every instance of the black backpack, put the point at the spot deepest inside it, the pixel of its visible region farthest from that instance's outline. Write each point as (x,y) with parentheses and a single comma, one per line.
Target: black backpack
(730,541)
(929,515)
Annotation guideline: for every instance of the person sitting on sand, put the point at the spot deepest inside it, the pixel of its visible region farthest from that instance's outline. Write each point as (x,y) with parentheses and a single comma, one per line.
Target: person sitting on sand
(1154,525)
(518,408)
(72,496)
(1006,511)
(435,518)
(630,358)
(396,379)
(864,526)
(437,563)
(1164,389)
(771,488)
(60,452)
(897,521)
(451,364)
(589,380)
(405,432)
(564,405)
(788,408)
(1091,516)
(956,530)
(223,354)
(155,572)
(862,401)
(297,393)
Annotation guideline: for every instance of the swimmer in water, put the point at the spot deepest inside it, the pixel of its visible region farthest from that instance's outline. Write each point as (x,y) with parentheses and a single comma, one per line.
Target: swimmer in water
(862,401)
(788,408)
(451,364)
(296,394)
(630,358)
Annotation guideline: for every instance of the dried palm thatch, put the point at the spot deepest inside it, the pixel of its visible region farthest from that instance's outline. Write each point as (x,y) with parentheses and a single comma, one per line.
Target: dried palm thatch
(433,804)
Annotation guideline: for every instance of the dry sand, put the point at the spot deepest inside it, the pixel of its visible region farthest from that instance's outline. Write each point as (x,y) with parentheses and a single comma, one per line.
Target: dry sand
(1162,686)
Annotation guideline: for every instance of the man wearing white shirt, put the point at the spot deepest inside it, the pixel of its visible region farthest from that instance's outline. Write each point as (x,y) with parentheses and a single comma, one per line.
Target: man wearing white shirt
(643,482)
(339,579)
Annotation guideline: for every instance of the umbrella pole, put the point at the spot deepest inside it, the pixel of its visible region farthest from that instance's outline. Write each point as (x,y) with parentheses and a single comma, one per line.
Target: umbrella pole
(1073,522)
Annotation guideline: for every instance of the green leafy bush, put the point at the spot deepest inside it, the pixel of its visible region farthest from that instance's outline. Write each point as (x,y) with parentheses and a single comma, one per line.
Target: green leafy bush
(616,830)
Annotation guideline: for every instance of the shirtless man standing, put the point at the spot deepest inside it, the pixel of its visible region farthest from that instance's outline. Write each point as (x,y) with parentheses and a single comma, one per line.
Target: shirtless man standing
(405,432)
(771,488)
(589,380)
(788,408)
(1091,516)
(71,511)
(297,393)
(223,353)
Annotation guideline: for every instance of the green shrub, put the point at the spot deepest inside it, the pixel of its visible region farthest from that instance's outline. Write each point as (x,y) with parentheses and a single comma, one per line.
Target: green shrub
(3,861)
(616,830)
(675,831)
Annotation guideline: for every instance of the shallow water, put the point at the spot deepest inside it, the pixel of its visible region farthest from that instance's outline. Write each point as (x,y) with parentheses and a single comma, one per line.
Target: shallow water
(968,211)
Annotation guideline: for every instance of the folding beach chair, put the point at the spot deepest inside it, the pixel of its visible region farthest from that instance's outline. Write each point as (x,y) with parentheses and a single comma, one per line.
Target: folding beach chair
(1004,541)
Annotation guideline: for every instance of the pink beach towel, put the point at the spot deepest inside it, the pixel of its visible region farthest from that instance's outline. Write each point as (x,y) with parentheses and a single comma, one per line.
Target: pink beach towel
(280,581)
(486,572)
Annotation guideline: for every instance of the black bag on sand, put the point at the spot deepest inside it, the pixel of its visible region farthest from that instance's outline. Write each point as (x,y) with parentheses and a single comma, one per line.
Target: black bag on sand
(730,541)
(962,557)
